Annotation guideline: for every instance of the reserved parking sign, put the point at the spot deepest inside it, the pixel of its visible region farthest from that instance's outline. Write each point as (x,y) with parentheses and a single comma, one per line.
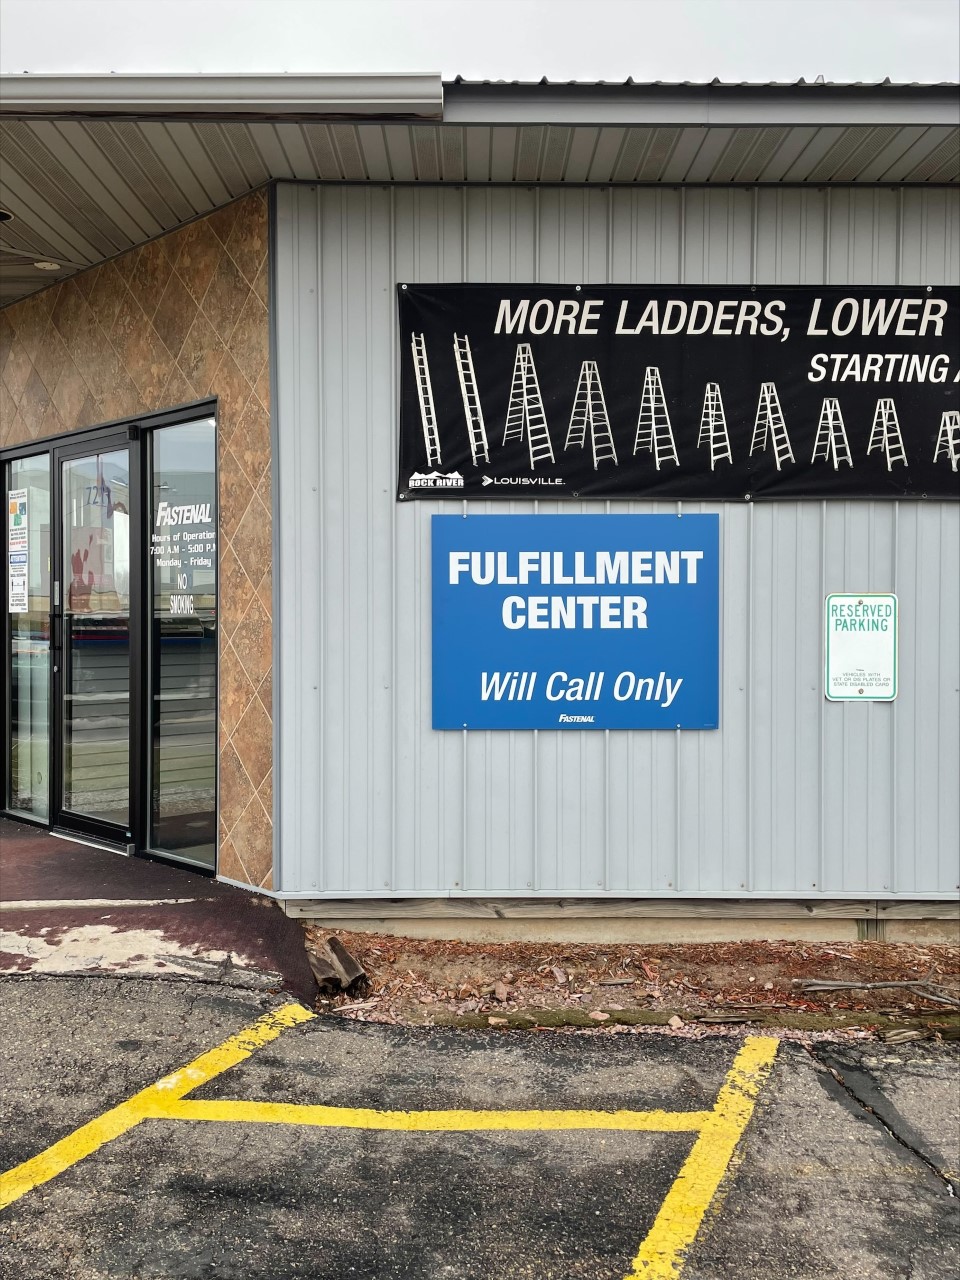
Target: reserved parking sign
(861,647)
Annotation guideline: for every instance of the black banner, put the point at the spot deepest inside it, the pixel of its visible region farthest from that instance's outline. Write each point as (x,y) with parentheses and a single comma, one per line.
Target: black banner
(694,391)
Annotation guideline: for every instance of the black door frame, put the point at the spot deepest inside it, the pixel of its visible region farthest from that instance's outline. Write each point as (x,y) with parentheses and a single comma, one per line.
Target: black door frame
(134,434)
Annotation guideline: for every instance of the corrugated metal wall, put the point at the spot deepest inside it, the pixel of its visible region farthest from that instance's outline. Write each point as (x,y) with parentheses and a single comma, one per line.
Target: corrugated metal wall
(793,795)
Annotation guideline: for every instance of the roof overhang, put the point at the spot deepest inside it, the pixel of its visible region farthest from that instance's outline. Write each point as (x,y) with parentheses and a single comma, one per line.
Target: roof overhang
(715,105)
(93,165)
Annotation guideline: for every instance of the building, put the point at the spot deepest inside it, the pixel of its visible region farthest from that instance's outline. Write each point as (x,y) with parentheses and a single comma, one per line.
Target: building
(217,629)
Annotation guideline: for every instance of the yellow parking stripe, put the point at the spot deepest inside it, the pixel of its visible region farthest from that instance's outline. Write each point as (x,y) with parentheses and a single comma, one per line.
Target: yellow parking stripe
(90,1137)
(436,1121)
(662,1253)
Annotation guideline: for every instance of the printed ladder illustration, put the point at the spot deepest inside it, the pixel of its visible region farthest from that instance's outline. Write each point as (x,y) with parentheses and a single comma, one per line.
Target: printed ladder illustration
(832,435)
(654,432)
(948,441)
(471,399)
(590,408)
(525,412)
(886,435)
(770,425)
(431,437)
(713,426)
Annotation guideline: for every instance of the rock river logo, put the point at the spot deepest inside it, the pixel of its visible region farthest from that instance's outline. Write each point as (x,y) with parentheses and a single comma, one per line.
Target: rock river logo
(536,480)
(436,480)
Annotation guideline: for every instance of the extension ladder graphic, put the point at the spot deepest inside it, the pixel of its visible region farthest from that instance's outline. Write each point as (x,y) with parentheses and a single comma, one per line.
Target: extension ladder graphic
(525,413)
(471,399)
(431,437)
(948,441)
(769,425)
(590,409)
(654,431)
(713,426)
(831,435)
(886,435)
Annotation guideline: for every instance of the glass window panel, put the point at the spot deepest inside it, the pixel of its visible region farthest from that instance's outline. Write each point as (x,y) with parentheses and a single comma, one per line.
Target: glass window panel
(27,784)
(183,683)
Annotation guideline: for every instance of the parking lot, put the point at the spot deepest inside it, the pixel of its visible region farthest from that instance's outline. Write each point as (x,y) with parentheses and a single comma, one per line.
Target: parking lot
(177,1130)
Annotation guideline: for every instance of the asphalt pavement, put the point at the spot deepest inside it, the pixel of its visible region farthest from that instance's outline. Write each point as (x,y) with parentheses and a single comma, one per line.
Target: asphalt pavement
(318,1147)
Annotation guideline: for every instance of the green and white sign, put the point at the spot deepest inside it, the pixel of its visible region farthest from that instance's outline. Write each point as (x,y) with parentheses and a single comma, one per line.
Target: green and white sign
(861,647)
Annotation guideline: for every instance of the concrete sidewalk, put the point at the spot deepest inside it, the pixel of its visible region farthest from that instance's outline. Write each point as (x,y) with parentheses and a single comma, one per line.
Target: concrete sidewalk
(66,908)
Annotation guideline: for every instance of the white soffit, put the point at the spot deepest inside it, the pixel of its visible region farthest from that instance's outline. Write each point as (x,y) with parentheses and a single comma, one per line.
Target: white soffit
(92,166)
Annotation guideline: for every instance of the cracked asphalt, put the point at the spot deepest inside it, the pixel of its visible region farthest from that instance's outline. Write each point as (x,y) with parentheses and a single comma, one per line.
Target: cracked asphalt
(847,1170)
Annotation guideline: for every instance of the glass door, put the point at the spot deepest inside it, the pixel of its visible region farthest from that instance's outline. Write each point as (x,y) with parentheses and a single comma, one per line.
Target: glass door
(108,699)
(92,633)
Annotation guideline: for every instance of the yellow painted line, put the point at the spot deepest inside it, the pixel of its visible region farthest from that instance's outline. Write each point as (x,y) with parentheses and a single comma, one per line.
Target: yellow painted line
(662,1254)
(90,1137)
(663,1251)
(434,1121)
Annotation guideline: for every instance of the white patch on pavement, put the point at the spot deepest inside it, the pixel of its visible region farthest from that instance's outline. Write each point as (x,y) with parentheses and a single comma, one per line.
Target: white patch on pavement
(60,904)
(86,948)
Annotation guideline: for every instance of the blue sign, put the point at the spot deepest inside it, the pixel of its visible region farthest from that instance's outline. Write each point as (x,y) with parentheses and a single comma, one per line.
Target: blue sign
(576,622)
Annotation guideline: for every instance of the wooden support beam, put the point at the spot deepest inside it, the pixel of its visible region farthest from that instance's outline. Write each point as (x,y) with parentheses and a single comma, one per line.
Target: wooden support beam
(480,909)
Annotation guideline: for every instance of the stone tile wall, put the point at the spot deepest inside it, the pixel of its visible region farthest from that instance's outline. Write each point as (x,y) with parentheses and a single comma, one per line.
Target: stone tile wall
(178,320)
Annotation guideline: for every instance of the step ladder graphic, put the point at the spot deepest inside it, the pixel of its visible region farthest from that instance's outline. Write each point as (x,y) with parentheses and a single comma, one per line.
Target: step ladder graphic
(431,437)
(472,407)
(770,426)
(713,426)
(831,441)
(886,435)
(948,441)
(590,410)
(525,413)
(654,432)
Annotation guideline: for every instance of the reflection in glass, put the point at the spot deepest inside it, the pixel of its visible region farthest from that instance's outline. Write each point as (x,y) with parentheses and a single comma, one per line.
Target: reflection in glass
(183,552)
(27,785)
(96,636)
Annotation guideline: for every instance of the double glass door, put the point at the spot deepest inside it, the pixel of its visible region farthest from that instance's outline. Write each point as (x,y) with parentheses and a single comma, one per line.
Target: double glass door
(111,639)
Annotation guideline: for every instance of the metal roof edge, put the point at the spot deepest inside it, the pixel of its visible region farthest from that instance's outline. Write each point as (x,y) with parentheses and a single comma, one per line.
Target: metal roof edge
(707,104)
(402,94)
(818,84)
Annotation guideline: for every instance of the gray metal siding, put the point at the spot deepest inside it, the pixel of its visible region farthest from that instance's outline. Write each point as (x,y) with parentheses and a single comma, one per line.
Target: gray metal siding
(792,796)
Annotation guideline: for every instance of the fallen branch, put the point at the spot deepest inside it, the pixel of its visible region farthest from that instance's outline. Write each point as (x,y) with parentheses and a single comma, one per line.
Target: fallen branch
(923,988)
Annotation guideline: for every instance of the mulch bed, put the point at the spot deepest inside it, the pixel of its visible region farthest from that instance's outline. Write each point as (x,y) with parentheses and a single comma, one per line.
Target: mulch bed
(419,982)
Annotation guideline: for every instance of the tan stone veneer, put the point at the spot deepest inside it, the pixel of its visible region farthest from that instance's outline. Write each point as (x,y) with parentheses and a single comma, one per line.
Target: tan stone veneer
(178,320)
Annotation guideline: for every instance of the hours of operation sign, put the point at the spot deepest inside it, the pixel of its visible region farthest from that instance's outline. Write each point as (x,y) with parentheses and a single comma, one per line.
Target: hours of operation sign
(861,647)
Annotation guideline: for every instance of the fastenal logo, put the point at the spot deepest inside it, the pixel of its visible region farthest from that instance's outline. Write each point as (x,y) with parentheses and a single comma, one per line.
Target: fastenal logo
(538,480)
(198,513)
(436,480)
